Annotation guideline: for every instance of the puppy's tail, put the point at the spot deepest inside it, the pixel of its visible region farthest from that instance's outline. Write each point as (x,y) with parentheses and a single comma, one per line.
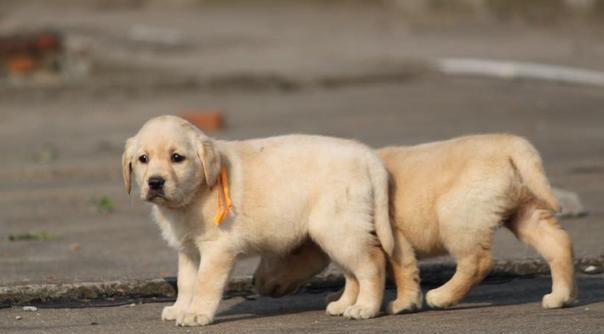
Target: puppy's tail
(379,179)
(527,161)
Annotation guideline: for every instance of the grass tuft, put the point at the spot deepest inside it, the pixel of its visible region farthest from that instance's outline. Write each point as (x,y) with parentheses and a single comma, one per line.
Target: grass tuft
(32,236)
(104,205)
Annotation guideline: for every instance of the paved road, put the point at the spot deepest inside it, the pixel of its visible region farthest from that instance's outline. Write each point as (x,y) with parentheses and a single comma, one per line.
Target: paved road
(494,307)
(70,138)
(63,144)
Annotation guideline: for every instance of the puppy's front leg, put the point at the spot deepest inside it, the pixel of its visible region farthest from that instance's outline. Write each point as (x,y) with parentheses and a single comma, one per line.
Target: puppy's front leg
(188,265)
(214,269)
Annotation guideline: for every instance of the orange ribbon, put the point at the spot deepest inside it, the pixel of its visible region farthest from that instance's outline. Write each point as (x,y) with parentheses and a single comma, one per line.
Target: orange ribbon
(224,198)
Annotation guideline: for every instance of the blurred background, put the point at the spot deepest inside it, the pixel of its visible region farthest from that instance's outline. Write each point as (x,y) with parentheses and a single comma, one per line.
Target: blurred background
(79,77)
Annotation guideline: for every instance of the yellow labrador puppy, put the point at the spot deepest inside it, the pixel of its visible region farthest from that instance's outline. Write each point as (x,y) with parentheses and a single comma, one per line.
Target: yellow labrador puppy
(215,200)
(448,197)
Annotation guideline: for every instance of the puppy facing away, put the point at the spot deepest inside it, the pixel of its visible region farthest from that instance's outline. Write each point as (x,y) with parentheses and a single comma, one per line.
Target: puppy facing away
(448,197)
(216,200)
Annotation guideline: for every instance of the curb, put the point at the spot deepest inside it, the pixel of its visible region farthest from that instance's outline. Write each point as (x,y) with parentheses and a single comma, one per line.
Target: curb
(84,294)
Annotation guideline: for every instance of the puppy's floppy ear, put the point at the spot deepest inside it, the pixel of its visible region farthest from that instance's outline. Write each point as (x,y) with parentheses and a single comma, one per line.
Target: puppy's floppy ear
(127,164)
(210,159)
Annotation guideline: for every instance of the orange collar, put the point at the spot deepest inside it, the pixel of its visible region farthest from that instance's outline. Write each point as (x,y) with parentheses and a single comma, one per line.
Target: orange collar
(224,198)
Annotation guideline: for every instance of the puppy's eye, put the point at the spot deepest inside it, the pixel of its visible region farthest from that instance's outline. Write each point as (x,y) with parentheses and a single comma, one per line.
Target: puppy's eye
(177,158)
(143,159)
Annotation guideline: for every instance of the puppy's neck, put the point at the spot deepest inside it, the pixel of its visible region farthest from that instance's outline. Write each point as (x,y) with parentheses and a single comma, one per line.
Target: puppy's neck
(190,223)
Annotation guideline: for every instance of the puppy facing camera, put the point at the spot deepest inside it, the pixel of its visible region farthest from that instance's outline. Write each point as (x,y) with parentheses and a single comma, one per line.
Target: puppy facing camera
(284,190)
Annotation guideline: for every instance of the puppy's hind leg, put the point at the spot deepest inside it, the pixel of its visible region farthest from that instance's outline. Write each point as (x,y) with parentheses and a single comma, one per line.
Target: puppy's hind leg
(540,230)
(370,273)
(406,277)
(347,298)
(342,227)
(365,278)
(364,266)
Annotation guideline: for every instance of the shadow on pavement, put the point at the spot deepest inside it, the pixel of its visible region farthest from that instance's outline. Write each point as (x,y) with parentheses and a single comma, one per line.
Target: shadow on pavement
(515,291)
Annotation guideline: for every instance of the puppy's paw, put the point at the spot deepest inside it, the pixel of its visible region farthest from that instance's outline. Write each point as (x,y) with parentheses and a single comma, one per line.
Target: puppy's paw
(552,300)
(336,308)
(357,311)
(405,305)
(438,298)
(189,319)
(170,313)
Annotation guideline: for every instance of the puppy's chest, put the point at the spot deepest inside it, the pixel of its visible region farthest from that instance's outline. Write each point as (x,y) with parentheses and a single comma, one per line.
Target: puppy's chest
(174,234)
(177,230)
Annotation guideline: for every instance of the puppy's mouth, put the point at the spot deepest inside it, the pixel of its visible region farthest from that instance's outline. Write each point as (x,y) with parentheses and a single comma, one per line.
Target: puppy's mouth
(156,195)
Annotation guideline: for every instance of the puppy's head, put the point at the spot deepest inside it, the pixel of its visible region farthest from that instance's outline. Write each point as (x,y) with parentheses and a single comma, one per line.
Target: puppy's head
(170,160)
(279,276)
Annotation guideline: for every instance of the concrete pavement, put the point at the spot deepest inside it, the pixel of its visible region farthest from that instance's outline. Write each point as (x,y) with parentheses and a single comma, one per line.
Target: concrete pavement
(494,307)
(352,71)
(58,197)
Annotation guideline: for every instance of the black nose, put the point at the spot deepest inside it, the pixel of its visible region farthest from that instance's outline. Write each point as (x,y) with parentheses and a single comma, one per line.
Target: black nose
(156,182)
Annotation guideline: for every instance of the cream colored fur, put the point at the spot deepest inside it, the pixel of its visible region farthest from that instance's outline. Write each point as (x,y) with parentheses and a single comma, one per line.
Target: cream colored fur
(284,190)
(448,197)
